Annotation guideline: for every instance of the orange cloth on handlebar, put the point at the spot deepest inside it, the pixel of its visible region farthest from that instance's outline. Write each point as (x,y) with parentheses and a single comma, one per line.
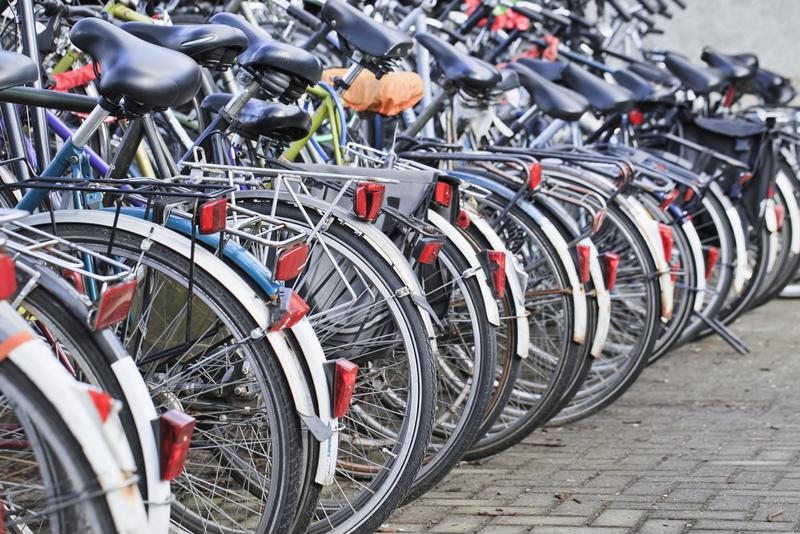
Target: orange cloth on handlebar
(392,94)
(64,81)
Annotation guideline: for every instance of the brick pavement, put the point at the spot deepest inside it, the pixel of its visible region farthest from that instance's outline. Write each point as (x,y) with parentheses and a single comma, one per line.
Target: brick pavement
(707,441)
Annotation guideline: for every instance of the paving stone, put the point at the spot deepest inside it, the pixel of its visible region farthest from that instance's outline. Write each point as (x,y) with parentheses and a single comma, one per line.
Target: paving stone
(705,442)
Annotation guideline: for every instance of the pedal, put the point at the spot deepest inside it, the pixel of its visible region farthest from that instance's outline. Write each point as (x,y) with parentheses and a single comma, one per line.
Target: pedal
(726,334)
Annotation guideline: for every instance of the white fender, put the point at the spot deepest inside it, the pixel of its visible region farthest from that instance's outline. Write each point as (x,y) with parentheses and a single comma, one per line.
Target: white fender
(699,261)
(784,184)
(649,229)
(603,301)
(474,265)
(771,222)
(578,293)
(517,291)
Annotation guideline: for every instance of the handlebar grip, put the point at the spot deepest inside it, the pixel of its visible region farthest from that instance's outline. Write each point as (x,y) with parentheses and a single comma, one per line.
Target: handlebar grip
(304,16)
(680,3)
(620,10)
(647,7)
(655,31)
(647,20)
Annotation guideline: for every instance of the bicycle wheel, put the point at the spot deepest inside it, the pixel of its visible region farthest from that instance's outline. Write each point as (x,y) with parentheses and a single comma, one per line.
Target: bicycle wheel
(466,358)
(554,357)
(362,310)
(635,313)
(203,354)
(49,485)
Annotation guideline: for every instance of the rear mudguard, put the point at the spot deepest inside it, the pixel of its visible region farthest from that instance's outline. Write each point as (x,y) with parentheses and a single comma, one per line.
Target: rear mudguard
(512,276)
(475,268)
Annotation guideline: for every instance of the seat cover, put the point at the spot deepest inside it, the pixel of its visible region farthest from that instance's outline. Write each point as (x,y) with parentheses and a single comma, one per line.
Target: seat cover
(653,73)
(151,76)
(260,118)
(604,96)
(194,40)
(16,69)
(465,71)
(549,69)
(263,53)
(699,79)
(552,99)
(365,34)
(638,86)
(733,69)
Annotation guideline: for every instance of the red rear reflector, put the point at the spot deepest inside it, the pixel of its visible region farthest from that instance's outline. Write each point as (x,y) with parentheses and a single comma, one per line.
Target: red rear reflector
(670,198)
(712,255)
(213,216)
(770,191)
(689,195)
(780,216)
(368,200)
(497,270)
(114,304)
(293,308)
(443,194)
(176,435)
(535,176)
(102,402)
(291,262)
(636,117)
(428,251)
(665,232)
(344,383)
(611,265)
(462,219)
(745,177)
(8,277)
(584,255)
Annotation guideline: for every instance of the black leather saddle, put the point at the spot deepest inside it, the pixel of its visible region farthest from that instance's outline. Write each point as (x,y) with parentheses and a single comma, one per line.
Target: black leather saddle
(211,45)
(365,34)
(549,69)
(464,71)
(605,97)
(265,54)
(16,69)
(509,80)
(732,68)
(653,73)
(552,99)
(748,60)
(640,88)
(701,80)
(259,118)
(146,75)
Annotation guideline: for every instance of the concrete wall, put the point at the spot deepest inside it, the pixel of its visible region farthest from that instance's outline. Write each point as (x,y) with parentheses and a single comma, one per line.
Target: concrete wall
(769,28)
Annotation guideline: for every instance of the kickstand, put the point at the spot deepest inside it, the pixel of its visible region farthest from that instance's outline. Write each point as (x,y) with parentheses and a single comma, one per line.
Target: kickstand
(729,337)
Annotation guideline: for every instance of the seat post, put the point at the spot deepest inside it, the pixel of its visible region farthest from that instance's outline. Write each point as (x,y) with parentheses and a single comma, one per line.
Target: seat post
(85,131)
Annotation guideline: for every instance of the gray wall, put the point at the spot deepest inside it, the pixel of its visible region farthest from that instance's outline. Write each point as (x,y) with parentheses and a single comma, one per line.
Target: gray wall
(769,28)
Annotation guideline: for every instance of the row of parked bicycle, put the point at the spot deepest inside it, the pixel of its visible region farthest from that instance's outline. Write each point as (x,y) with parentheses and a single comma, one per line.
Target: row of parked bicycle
(271,267)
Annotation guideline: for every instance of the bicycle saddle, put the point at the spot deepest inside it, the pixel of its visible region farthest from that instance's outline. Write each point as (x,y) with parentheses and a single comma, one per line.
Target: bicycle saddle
(653,73)
(16,70)
(458,68)
(365,34)
(605,97)
(259,118)
(748,60)
(264,53)
(549,69)
(732,68)
(552,99)
(211,45)
(638,86)
(698,79)
(144,74)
